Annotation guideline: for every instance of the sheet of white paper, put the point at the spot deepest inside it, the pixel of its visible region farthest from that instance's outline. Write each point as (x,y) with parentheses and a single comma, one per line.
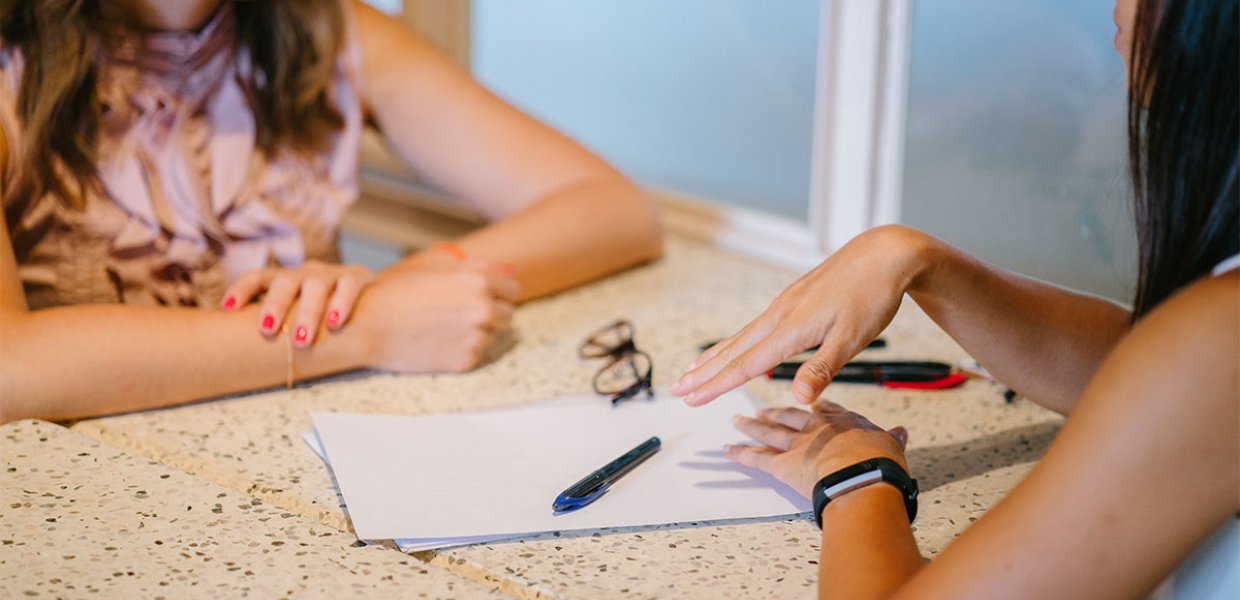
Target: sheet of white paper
(406,545)
(311,439)
(495,473)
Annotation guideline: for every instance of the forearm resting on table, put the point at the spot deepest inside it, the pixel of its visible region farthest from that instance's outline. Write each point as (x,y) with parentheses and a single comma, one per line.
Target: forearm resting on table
(79,361)
(1042,341)
(572,236)
(868,550)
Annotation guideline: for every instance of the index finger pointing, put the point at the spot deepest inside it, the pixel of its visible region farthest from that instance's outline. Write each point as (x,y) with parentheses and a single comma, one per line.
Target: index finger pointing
(752,363)
(729,352)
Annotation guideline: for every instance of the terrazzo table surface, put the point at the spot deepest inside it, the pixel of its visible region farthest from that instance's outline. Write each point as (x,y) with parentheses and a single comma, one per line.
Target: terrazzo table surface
(967,446)
(81,518)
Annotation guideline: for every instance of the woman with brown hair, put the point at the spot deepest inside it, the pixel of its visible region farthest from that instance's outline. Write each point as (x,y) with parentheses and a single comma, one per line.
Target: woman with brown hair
(1143,482)
(174,177)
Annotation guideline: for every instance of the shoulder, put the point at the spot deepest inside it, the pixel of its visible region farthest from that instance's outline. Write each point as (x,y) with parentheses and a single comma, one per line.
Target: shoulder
(394,59)
(1208,307)
(369,22)
(393,40)
(1193,338)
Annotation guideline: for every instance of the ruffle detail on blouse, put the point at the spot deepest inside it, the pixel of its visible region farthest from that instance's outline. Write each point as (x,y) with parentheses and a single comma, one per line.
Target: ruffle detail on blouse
(190,203)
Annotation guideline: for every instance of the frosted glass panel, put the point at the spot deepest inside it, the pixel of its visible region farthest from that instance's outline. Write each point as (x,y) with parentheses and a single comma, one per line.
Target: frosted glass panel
(1015,142)
(712,98)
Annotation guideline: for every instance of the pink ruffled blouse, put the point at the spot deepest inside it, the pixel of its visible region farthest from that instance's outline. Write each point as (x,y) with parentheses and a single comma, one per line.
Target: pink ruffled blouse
(187,202)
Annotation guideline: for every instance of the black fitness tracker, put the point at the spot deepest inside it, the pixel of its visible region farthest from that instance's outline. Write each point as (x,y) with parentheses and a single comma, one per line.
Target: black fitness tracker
(864,473)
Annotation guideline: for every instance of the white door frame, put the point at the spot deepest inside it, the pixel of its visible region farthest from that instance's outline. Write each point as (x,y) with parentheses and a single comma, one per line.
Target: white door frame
(859,105)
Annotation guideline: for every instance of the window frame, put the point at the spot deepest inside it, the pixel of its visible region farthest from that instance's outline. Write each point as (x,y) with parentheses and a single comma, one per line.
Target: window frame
(860,94)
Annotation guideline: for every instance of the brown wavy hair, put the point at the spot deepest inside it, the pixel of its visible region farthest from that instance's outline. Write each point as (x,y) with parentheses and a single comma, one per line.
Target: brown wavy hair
(292,45)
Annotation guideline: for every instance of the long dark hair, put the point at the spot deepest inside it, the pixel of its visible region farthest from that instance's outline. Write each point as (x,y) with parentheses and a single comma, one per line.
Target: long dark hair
(1184,142)
(292,44)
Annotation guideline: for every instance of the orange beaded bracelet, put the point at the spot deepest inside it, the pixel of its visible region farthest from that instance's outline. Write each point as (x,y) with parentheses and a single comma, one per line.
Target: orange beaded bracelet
(451,249)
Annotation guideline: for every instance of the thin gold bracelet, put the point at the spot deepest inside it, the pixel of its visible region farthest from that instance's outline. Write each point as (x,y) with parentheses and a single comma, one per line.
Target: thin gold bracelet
(289,373)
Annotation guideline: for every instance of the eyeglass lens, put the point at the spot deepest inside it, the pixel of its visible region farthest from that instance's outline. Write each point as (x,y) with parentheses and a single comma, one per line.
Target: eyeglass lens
(609,340)
(628,371)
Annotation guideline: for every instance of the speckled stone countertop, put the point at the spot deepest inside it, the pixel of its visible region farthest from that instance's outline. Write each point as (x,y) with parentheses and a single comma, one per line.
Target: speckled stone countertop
(81,518)
(968,447)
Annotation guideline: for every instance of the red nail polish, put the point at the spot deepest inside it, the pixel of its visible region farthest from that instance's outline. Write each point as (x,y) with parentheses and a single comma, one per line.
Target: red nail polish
(230,303)
(269,322)
(301,334)
(333,317)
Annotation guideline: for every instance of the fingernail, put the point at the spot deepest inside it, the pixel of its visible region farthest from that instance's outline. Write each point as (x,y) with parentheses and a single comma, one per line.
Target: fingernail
(333,318)
(680,383)
(691,399)
(269,322)
(230,303)
(301,334)
(737,419)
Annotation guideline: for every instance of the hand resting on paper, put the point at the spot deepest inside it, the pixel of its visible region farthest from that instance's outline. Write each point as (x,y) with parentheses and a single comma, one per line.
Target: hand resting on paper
(799,447)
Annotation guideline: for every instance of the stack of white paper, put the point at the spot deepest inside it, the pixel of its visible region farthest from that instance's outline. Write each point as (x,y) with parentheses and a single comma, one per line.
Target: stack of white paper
(440,480)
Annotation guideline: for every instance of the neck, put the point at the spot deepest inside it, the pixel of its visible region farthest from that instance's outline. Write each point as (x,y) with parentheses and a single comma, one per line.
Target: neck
(172,15)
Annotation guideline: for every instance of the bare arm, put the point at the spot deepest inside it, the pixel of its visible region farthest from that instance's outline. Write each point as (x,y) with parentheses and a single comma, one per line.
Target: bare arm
(1144,471)
(563,216)
(79,361)
(1044,341)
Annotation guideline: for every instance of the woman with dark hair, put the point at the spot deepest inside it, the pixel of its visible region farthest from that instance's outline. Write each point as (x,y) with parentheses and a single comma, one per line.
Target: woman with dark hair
(174,174)
(1146,468)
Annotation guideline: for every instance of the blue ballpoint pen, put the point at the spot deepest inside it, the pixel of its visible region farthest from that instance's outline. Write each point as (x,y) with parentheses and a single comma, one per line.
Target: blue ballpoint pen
(594,485)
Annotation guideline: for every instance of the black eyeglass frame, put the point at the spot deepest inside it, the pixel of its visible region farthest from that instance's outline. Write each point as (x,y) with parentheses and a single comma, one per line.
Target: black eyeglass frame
(622,352)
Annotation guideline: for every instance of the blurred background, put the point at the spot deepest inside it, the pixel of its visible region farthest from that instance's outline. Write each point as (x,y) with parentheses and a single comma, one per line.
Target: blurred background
(782,128)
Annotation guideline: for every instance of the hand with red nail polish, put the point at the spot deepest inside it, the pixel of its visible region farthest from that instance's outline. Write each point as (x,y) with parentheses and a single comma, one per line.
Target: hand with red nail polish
(323,293)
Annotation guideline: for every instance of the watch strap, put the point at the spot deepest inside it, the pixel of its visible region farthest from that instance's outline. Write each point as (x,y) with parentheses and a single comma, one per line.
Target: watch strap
(862,474)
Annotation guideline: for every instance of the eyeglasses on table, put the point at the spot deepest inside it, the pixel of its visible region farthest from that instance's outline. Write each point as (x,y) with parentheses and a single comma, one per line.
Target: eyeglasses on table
(628,372)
